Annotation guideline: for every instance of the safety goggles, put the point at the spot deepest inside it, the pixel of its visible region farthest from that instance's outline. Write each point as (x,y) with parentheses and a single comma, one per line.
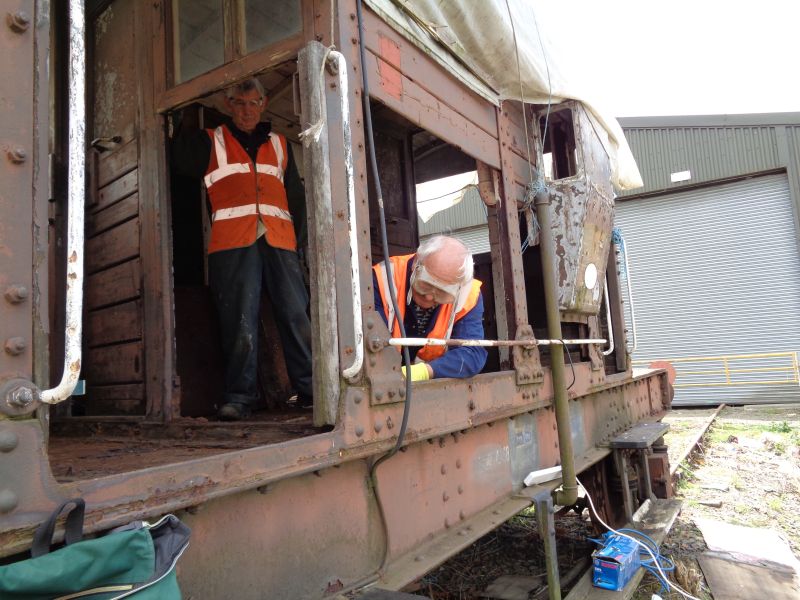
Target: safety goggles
(426,284)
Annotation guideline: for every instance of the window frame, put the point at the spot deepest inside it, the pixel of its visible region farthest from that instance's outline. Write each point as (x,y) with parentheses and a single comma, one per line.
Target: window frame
(236,64)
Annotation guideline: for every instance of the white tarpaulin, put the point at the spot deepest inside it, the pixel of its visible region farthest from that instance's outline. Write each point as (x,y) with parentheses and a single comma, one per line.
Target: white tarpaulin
(479,33)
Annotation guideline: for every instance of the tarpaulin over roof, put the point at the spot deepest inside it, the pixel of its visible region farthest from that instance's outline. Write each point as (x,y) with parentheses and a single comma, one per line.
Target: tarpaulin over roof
(475,41)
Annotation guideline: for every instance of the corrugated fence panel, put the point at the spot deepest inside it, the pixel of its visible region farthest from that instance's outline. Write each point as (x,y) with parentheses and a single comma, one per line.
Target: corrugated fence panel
(716,271)
(709,153)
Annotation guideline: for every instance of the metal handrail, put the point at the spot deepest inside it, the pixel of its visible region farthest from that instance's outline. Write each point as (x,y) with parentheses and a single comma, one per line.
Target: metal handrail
(608,320)
(629,285)
(355,276)
(75,194)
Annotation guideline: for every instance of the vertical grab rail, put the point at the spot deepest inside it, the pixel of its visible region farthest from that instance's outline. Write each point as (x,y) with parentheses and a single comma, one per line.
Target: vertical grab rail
(623,245)
(76,196)
(608,321)
(355,276)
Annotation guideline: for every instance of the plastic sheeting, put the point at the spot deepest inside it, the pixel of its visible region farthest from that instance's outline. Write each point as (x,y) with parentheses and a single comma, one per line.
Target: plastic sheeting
(475,40)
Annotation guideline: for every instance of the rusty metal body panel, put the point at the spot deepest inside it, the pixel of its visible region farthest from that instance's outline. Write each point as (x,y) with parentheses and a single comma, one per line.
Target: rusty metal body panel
(301,517)
(582,214)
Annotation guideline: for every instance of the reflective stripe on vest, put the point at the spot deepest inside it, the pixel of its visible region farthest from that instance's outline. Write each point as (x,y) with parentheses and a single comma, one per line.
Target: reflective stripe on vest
(241,193)
(466,301)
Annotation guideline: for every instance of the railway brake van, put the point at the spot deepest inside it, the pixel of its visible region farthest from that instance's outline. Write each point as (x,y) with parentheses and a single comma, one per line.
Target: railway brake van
(111,373)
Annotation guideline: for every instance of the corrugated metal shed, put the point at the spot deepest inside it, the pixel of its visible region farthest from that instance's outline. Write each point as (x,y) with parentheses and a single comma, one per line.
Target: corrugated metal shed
(712,148)
(716,256)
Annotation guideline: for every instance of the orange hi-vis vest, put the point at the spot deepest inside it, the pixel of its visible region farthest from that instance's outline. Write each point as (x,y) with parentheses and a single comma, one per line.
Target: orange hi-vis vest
(466,301)
(241,193)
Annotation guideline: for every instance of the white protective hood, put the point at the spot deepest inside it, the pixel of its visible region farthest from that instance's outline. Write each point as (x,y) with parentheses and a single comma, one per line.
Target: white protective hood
(480,34)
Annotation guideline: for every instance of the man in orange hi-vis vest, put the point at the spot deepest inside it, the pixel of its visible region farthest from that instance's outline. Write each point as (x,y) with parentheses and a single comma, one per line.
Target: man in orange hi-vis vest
(257,211)
(437,298)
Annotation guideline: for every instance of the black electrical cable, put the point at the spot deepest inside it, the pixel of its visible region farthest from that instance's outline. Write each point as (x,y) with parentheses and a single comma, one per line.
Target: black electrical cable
(392,290)
(384,241)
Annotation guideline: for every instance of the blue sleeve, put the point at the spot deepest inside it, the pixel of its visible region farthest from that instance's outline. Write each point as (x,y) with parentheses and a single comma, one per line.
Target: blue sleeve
(464,361)
(378,299)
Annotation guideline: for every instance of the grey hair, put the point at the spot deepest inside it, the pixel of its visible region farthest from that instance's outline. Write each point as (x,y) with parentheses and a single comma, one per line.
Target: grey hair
(436,243)
(244,87)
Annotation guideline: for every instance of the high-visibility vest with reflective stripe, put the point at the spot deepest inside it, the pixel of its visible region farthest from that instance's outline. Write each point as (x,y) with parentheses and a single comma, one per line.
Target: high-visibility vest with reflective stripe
(466,301)
(242,192)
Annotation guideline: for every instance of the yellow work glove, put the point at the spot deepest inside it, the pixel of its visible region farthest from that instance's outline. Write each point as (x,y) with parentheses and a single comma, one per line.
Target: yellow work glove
(419,372)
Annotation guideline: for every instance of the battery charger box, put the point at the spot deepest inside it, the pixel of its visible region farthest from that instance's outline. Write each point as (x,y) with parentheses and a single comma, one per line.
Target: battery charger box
(615,563)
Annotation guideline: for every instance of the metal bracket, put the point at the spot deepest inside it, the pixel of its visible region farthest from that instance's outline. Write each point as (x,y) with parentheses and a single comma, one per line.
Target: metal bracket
(527,364)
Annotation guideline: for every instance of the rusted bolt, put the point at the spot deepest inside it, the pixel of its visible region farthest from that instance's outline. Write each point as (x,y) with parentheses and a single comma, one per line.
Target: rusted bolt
(193,510)
(8,441)
(445,497)
(263,489)
(376,344)
(16,293)
(20,397)
(441,442)
(378,395)
(391,393)
(444,469)
(471,405)
(8,501)
(353,40)
(378,426)
(15,346)
(357,398)
(447,523)
(352,16)
(401,392)
(389,423)
(462,516)
(461,489)
(17,155)
(359,430)
(458,463)
(419,558)
(371,362)
(18,21)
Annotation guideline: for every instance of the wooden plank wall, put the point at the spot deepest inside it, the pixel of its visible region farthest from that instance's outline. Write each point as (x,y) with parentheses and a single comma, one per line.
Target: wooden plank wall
(113,332)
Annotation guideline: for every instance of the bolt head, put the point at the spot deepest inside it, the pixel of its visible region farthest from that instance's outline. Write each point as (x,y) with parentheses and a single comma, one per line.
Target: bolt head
(8,501)
(17,155)
(8,441)
(15,346)
(16,293)
(21,397)
(18,21)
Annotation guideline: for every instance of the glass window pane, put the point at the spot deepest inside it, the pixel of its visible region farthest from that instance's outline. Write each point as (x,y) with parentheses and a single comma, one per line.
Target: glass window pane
(270,22)
(198,35)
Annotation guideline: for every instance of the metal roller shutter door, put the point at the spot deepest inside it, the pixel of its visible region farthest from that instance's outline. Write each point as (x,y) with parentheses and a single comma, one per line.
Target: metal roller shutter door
(716,272)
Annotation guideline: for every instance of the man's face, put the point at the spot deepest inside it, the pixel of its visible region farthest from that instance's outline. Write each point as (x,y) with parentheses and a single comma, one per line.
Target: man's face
(432,284)
(246,109)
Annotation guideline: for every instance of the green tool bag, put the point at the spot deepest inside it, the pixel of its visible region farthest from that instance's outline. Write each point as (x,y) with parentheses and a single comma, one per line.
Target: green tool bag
(134,561)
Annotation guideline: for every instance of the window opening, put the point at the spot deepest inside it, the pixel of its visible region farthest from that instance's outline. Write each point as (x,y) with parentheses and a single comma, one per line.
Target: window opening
(559,150)
(430,188)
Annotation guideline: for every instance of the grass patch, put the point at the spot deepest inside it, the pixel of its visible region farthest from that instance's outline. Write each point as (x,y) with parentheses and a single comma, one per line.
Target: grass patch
(782,427)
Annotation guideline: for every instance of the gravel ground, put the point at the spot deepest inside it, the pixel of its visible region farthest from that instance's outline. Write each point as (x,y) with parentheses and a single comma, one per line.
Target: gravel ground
(747,468)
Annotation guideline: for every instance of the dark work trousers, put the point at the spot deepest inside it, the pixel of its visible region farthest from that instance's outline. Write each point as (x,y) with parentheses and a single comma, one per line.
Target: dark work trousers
(235,277)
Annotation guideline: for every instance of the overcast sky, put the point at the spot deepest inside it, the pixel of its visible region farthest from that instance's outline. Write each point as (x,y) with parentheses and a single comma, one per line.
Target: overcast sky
(683,56)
